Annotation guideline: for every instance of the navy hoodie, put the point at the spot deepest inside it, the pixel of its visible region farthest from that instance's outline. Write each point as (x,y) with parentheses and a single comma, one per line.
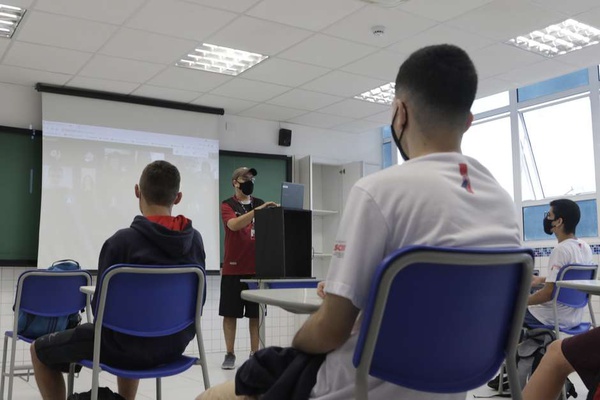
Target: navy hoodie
(146,242)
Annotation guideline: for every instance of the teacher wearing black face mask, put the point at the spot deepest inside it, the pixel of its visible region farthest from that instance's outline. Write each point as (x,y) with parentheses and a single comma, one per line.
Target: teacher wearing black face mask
(237,213)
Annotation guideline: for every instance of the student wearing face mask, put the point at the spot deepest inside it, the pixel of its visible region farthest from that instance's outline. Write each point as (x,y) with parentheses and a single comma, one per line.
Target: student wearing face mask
(237,213)
(560,220)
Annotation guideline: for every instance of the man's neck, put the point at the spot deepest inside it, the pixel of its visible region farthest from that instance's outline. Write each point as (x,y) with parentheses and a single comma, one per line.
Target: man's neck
(154,210)
(560,236)
(241,196)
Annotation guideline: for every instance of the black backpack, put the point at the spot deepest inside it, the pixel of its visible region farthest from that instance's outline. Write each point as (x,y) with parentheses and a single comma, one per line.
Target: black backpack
(104,393)
(530,351)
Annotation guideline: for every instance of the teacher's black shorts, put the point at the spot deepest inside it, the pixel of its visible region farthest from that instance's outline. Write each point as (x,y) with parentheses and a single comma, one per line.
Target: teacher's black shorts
(231,303)
(57,350)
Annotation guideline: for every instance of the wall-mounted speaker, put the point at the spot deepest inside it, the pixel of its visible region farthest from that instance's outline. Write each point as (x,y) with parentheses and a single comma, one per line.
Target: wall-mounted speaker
(285,137)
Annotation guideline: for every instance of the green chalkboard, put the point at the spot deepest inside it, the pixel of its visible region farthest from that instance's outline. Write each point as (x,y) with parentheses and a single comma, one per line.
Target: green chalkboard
(271,169)
(20,194)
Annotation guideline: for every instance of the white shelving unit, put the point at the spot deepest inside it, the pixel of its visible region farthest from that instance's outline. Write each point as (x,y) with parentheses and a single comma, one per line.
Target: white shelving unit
(327,185)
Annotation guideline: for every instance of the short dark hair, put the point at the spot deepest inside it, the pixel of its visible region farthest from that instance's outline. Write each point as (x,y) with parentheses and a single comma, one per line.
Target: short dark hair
(441,83)
(569,211)
(159,183)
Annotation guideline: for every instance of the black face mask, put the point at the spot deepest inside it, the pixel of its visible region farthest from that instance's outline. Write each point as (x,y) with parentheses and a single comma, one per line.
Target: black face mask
(247,187)
(548,225)
(397,139)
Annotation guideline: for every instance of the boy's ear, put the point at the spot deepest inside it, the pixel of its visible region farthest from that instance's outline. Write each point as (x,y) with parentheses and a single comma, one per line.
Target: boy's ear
(137,190)
(178,198)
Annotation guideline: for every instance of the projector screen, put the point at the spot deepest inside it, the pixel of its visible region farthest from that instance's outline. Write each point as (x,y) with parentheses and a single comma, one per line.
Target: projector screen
(92,159)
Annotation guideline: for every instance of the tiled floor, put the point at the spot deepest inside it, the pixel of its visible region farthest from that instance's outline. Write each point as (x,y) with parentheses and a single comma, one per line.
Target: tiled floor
(188,385)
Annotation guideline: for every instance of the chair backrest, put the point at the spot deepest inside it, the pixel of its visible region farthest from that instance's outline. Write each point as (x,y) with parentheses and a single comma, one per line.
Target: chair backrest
(442,319)
(51,293)
(571,297)
(150,300)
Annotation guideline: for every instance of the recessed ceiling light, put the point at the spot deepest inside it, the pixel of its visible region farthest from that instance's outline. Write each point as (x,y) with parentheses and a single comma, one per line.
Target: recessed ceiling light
(558,39)
(9,19)
(380,95)
(222,60)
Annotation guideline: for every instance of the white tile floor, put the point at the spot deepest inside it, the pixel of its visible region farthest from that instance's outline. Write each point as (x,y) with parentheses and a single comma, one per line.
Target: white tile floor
(188,385)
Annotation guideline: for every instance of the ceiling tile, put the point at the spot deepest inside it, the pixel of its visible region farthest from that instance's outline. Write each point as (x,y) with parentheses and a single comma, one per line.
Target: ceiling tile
(357,27)
(327,51)
(358,126)
(382,65)
(442,34)
(162,93)
(319,120)
(591,17)
(111,11)
(66,32)
(441,10)
(271,112)
(498,58)
(45,58)
(146,46)
(304,100)
(309,14)
(582,58)
(258,36)
(505,19)
(185,20)
(384,118)
(189,79)
(120,69)
(4,46)
(284,72)
(102,85)
(343,84)
(352,108)
(249,90)
(489,86)
(29,77)
(537,72)
(231,106)
(237,5)
(569,8)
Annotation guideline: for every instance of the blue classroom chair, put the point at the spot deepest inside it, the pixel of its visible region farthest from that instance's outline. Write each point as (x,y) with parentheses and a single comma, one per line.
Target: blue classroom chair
(443,320)
(43,293)
(572,298)
(149,301)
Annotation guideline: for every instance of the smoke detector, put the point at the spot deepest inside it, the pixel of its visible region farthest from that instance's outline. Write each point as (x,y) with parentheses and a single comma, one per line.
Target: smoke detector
(378,30)
(385,3)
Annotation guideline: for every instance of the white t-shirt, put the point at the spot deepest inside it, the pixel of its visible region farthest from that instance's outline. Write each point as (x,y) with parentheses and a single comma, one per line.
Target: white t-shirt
(570,251)
(442,199)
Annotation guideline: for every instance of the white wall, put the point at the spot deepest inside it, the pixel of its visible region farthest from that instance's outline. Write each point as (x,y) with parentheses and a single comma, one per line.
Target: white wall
(21,107)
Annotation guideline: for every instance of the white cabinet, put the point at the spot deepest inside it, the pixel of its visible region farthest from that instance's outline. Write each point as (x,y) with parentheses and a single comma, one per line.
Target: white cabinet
(327,185)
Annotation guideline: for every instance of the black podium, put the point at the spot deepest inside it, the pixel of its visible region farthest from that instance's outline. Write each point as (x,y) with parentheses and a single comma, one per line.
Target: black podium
(283,243)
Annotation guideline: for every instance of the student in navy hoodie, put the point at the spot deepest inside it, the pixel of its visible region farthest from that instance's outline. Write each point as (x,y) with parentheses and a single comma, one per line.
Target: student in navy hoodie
(155,237)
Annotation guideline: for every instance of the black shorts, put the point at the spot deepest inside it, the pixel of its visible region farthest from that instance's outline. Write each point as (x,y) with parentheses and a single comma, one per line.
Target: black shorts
(231,303)
(58,350)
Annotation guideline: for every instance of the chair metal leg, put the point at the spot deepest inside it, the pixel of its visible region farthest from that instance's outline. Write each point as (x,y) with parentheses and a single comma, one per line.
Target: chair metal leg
(158,389)
(3,367)
(11,367)
(203,363)
(513,378)
(501,379)
(95,383)
(71,379)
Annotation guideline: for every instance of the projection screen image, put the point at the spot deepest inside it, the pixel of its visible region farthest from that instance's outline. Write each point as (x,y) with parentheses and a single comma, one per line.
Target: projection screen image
(89,174)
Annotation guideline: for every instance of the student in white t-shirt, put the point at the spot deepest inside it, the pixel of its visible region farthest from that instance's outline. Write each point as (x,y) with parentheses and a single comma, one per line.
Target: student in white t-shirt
(561,220)
(437,197)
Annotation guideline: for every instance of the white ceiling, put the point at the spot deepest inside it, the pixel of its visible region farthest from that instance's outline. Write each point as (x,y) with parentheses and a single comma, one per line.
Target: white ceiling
(321,52)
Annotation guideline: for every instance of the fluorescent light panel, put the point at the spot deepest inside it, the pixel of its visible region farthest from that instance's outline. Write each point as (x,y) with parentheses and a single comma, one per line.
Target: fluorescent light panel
(380,95)
(558,39)
(9,19)
(222,60)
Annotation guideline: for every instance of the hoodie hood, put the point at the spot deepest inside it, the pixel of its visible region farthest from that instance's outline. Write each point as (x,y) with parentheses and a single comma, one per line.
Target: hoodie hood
(175,243)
